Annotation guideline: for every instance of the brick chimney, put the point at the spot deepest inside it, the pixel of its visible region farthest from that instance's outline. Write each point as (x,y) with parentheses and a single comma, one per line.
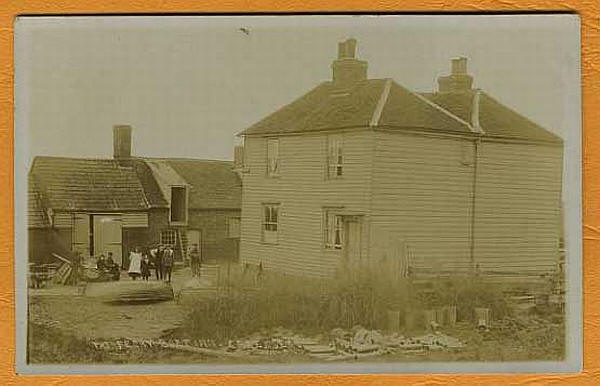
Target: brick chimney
(458,80)
(347,70)
(122,142)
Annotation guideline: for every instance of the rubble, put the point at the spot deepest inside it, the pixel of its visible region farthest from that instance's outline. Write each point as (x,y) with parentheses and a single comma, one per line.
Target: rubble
(340,345)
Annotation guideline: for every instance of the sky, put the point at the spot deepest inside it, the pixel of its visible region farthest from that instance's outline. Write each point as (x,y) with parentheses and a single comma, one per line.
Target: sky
(188,85)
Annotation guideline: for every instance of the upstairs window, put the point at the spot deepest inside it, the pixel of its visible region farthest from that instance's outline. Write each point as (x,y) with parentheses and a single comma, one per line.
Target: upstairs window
(178,204)
(335,157)
(273,157)
(334,230)
(270,223)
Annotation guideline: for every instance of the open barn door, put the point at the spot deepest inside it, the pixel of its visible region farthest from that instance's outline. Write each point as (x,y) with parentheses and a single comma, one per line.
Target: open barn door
(108,236)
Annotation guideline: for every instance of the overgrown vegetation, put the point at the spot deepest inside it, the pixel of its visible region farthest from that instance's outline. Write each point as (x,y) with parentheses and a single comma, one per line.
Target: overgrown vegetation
(304,304)
(317,306)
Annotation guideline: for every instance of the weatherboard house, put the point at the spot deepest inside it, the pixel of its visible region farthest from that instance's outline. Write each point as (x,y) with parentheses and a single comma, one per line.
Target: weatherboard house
(96,206)
(360,170)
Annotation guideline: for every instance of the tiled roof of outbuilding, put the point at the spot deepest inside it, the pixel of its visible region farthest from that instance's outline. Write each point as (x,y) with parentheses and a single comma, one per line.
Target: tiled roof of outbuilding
(87,184)
(213,184)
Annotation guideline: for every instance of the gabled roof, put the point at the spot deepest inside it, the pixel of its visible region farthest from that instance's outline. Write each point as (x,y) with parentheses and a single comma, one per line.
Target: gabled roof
(495,119)
(369,103)
(87,184)
(72,184)
(212,184)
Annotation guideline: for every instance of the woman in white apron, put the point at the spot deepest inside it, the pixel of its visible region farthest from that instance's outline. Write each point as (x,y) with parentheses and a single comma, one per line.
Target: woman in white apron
(135,263)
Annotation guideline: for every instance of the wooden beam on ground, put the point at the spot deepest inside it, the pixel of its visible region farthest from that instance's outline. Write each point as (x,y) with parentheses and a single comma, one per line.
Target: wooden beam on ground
(62,259)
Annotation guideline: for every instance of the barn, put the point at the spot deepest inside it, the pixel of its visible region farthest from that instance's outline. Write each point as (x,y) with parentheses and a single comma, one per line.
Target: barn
(95,206)
(358,171)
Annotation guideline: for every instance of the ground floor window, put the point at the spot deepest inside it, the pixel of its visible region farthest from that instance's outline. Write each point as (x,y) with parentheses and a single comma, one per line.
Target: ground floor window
(168,237)
(270,223)
(334,230)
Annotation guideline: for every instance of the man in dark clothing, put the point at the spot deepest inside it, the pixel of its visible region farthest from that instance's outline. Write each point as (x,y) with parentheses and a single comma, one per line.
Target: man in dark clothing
(157,255)
(195,260)
(167,261)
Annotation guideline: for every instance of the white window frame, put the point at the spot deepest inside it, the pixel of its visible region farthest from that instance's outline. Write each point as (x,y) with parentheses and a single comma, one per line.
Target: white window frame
(335,156)
(170,232)
(273,159)
(333,230)
(270,223)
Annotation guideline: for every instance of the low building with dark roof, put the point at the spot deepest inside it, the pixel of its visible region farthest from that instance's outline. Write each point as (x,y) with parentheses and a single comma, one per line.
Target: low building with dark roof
(97,206)
(363,172)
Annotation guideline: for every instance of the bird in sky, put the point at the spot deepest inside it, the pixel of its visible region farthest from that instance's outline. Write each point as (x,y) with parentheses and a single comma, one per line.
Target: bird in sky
(244,30)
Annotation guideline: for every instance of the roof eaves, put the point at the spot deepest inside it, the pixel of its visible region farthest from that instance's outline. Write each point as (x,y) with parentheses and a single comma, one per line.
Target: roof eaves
(426,130)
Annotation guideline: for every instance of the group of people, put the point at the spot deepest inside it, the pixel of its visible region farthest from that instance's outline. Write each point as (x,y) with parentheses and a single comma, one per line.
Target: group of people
(159,258)
(107,265)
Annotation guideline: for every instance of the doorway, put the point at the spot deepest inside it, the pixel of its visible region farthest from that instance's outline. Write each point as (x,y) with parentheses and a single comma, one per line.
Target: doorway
(108,236)
(352,241)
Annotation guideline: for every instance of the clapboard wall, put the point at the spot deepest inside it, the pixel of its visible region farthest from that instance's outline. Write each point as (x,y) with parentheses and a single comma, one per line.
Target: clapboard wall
(517,216)
(303,190)
(422,199)
(460,203)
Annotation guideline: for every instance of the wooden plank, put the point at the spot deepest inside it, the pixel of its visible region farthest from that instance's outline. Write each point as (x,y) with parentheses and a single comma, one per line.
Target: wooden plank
(66,261)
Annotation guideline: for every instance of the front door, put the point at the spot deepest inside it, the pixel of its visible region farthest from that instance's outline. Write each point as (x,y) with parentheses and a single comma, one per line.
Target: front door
(352,241)
(107,236)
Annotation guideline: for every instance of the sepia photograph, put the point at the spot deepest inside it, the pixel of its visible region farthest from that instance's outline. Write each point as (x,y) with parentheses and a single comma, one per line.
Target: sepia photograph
(298,194)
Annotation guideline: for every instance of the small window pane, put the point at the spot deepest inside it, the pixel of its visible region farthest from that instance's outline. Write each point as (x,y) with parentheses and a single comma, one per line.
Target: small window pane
(272,157)
(335,157)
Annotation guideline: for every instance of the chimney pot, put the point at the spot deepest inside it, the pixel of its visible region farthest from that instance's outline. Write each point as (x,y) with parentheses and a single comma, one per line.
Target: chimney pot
(458,80)
(459,66)
(121,142)
(348,70)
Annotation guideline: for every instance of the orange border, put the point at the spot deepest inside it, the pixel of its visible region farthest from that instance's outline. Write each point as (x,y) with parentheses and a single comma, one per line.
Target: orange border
(589,12)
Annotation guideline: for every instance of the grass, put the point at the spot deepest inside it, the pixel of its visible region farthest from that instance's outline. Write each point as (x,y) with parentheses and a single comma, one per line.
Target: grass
(318,306)
(310,305)
(315,307)
(47,345)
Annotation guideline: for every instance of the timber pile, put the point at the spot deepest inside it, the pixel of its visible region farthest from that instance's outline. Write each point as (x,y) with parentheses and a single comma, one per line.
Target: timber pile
(64,272)
(130,291)
(342,344)
(41,274)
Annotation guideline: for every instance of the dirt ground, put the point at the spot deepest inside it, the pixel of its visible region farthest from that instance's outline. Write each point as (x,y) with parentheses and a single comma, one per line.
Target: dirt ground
(65,320)
(70,311)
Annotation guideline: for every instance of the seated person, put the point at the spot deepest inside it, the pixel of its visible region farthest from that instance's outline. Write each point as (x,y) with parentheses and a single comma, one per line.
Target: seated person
(100,263)
(109,261)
